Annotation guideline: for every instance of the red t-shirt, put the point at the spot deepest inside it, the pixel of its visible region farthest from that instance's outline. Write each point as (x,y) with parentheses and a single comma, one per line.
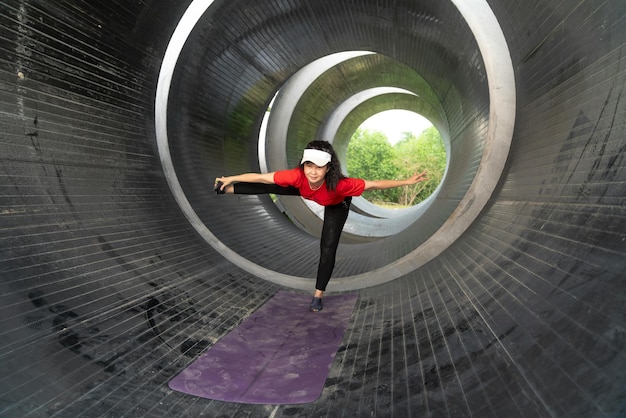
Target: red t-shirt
(295,177)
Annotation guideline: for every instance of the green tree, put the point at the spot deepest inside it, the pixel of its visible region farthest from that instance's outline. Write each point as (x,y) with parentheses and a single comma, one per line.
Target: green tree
(415,154)
(370,156)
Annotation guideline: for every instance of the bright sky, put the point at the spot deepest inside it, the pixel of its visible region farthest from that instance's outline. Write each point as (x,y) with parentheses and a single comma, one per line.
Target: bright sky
(393,122)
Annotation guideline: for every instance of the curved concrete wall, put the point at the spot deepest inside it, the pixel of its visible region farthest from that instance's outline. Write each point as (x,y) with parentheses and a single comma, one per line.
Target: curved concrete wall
(108,290)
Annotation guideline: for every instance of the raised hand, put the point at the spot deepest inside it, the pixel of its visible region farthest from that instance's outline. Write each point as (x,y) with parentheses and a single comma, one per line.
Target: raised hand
(417,177)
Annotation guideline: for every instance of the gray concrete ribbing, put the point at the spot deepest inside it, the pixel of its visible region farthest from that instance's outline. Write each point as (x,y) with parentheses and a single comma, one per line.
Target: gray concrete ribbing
(108,289)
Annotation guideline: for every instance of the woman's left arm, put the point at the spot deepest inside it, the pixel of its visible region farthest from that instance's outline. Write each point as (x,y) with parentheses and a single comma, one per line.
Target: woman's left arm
(389,184)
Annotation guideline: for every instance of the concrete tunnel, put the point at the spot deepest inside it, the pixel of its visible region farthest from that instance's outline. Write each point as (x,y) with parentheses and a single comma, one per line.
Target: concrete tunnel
(502,295)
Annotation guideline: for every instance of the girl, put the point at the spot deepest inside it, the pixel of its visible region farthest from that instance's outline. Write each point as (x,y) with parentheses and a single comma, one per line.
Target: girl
(318,178)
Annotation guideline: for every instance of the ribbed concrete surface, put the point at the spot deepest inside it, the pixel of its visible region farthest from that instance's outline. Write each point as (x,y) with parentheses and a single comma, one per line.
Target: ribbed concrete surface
(107,291)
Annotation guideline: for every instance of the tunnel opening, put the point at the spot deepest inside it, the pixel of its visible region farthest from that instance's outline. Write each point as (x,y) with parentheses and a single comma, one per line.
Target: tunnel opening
(395,144)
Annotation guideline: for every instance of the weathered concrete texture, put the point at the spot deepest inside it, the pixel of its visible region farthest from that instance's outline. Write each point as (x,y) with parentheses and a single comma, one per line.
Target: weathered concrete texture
(107,291)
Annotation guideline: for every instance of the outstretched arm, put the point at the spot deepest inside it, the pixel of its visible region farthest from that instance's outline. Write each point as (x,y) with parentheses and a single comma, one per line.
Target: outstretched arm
(228,181)
(389,184)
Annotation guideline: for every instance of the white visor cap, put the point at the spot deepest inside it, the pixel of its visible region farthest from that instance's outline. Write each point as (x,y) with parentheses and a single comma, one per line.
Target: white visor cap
(317,157)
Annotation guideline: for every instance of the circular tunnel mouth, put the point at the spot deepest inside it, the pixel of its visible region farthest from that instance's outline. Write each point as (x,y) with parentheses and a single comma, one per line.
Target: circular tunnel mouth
(301,112)
(409,129)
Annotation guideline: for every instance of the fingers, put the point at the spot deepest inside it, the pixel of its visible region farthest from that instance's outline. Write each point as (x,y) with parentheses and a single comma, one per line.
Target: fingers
(219,185)
(418,177)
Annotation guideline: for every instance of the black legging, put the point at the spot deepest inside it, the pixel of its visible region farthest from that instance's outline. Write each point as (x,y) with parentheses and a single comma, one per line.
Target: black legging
(334,219)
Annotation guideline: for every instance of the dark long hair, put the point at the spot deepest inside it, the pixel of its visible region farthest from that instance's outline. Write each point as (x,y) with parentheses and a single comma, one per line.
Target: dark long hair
(334,173)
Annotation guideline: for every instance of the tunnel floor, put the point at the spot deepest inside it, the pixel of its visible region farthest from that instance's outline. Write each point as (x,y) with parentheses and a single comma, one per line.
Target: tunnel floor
(413,350)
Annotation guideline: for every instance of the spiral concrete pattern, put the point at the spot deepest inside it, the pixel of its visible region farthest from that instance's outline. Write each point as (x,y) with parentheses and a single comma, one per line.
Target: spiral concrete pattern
(502,295)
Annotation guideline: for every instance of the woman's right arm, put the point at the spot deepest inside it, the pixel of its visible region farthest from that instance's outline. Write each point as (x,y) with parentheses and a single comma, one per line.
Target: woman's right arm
(228,181)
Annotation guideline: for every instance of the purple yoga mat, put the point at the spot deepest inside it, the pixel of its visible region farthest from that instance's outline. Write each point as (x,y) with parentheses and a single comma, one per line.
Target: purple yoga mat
(281,354)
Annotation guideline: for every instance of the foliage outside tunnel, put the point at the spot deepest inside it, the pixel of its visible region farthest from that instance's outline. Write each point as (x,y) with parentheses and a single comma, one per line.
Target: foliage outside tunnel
(371,156)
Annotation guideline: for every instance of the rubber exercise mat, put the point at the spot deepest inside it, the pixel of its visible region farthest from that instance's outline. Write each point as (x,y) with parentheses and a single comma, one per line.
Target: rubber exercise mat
(281,354)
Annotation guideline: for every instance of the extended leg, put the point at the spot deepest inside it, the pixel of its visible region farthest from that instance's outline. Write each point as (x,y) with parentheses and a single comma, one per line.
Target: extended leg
(261,188)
